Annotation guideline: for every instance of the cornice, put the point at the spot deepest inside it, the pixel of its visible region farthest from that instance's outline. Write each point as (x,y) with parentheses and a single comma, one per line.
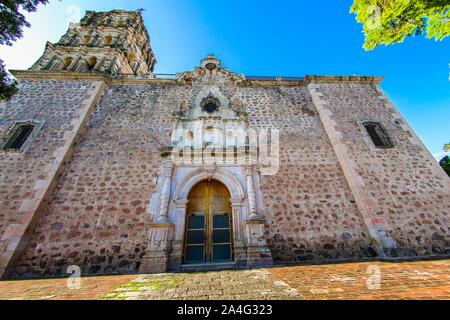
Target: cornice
(57,75)
(344,79)
(67,75)
(272,83)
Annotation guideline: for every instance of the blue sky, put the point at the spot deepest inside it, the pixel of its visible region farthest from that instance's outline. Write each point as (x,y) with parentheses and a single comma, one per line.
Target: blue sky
(262,37)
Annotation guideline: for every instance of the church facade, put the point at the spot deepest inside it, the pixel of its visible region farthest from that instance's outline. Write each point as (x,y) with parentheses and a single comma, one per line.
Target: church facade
(108,166)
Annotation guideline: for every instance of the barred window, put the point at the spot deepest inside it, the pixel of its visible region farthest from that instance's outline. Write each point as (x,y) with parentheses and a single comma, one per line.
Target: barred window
(378,135)
(20,135)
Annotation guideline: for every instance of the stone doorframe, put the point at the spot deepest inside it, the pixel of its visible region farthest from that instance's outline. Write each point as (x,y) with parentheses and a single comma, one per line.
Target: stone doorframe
(181,196)
(166,235)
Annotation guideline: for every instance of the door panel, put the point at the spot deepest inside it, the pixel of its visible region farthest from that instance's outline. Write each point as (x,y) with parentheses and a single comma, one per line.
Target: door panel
(208,228)
(221,238)
(195,254)
(221,253)
(195,239)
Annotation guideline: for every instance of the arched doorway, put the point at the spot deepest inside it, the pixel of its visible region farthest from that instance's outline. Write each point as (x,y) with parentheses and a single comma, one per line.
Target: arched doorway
(208,234)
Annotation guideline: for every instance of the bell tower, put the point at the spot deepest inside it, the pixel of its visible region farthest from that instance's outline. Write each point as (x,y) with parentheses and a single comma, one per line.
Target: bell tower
(114,43)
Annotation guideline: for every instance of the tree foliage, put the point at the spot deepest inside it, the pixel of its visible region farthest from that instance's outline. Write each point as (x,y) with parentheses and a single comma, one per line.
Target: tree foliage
(445,164)
(447,147)
(8,86)
(391,21)
(12,22)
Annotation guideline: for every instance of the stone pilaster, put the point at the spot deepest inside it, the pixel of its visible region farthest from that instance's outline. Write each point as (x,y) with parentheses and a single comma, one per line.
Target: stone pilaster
(156,257)
(176,255)
(258,253)
(377,226)
(165,192)
(240,254)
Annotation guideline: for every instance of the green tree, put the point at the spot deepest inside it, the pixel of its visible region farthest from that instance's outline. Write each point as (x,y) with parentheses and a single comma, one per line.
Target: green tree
(391,21)
(12,22)
(445,164)
(8,85)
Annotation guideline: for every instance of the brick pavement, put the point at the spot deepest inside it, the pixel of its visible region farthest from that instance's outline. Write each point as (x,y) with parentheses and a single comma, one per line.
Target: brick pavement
(56,289)
(218,285)
(405,280)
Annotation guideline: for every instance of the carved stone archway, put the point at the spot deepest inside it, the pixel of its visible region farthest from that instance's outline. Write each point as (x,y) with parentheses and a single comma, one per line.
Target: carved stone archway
(166,234)
(181,203)
(195,177)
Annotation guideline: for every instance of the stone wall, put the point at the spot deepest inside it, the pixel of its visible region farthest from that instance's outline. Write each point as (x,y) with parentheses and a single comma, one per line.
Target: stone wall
(410,189)
(98,217)
(28,179)
(311,214)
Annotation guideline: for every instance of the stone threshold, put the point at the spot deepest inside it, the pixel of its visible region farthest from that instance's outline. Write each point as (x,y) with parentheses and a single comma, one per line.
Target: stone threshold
(214,266)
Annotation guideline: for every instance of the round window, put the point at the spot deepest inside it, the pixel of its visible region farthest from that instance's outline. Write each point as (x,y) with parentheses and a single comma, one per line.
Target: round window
(210,104)
(210,107)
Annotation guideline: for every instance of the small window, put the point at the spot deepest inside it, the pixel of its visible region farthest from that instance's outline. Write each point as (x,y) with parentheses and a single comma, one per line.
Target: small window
(19,136)
(210,104)
(378,135)
(210,107)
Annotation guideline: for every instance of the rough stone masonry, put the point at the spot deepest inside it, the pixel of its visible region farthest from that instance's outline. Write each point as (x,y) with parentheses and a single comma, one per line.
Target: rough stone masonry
(85,179)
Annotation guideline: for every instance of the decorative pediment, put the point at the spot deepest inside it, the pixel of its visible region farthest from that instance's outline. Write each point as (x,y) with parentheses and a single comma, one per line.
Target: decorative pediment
(210,70)
(211,120)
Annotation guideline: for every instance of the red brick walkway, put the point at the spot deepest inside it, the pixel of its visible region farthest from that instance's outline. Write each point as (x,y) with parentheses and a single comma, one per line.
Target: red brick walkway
(92,288)
(407,280)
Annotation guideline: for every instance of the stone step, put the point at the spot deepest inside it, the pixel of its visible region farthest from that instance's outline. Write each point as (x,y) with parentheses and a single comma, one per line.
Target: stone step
(201,267)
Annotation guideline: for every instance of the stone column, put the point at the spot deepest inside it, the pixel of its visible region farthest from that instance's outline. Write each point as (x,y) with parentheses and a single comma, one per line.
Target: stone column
(258,253)
(165,192)
(253,213)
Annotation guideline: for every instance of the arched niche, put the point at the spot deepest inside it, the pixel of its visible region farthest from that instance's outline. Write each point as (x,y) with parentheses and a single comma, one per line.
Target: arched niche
(67,61)
(107,40)
(91,63)
(87,39)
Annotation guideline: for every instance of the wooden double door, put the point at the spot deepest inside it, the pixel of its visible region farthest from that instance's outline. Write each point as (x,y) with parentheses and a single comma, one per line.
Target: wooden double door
(208,236)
